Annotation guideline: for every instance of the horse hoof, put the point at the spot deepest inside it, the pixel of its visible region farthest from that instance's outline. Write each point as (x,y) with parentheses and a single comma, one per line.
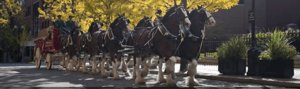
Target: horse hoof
(192,83)
(171,84)
(116,78)
(140,83)
(161,81)
(127,74)
(181,72)
(103,76)
(132,78)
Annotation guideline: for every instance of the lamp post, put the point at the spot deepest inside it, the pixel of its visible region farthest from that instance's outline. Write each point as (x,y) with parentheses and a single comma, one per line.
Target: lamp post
(253,52)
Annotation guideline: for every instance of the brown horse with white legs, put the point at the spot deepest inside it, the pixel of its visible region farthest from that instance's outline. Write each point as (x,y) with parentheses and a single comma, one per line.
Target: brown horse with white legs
(164,41)
(71,49)
(98,36)
(189,49)
(113,41)
(95,45)
(144,24)
(87,48)
(137,40)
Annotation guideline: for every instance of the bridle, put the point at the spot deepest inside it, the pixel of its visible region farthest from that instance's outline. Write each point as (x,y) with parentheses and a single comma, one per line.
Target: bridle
(164,31)
(111,35)
(202,31)
(161,27)
(207,17)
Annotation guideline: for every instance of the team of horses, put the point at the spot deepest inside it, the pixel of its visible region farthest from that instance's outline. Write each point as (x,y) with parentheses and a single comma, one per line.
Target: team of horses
(178,33)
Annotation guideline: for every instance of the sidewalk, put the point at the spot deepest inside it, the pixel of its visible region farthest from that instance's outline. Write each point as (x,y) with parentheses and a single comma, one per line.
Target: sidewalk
(211,72)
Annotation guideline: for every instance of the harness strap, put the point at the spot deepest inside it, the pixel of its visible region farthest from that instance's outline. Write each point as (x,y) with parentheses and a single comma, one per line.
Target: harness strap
(161,26)
(181,40)
(201,44)
(109,34)
(152,36)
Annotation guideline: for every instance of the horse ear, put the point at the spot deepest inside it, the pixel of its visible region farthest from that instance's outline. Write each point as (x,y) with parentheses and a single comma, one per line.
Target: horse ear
(175,4)
(158,12)
(184,3)
(200,7)
(128,21)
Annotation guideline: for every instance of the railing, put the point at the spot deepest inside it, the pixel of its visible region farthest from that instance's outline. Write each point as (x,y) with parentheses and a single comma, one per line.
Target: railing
(210,46)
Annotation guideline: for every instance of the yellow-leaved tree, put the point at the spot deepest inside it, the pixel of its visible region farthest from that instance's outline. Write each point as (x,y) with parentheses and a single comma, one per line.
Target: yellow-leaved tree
(85,11)
(8,9)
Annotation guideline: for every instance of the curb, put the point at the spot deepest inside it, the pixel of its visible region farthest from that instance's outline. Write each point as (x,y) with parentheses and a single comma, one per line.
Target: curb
(253,80)
(246,79)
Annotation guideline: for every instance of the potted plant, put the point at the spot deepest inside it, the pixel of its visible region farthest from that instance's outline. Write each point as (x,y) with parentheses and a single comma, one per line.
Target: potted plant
(277,61)
(232,57)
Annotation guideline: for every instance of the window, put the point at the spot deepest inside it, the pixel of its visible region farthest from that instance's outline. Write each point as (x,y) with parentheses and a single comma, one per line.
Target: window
(241,1)
(27,51)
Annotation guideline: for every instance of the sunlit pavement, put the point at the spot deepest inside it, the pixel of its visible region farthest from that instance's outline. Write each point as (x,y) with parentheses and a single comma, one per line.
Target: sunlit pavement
(25,75)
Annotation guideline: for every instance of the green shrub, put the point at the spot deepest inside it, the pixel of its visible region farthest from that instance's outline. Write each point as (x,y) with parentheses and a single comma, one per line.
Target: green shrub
(279,46)
(262,39)
(234,49)
(265,55)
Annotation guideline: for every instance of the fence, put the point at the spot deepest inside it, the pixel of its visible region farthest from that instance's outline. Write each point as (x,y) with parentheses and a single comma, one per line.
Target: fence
(210,46)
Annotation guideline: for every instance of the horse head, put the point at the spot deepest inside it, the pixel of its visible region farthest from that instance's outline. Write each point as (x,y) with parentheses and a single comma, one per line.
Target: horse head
(206,16)
(119,27)
(95,26)
(176,21)
(200,17)
(145,22)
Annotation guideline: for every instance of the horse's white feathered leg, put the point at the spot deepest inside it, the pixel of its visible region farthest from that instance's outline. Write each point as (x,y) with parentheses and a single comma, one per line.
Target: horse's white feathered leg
(161,78)
(192,71)
(139,79)
(170,73)
(115,70)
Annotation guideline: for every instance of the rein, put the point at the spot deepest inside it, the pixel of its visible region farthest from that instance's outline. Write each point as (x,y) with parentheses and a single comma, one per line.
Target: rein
(201,44)
(202,38)
(161,26)
(152,36)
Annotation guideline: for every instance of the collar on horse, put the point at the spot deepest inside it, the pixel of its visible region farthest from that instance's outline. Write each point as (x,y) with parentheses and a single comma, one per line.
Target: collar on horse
(162,28)
(109,33)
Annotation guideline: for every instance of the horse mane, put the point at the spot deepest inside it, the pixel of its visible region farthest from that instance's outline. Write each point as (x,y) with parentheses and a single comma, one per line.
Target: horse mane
(91,27)
(168,13)
(193,12)
(140,22)
(113,24)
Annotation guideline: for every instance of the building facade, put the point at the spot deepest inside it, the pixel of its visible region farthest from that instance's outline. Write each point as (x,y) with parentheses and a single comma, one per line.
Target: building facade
(269,15)
(34,24)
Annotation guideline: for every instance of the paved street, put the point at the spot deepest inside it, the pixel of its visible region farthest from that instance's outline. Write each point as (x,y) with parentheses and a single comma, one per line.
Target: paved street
(25,75)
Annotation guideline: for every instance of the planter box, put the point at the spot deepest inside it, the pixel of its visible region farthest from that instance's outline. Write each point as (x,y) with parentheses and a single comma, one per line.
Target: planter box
(232,67)
(276,68)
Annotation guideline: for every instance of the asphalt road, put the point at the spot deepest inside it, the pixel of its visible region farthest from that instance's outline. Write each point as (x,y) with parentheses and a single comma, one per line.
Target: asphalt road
(25,75)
